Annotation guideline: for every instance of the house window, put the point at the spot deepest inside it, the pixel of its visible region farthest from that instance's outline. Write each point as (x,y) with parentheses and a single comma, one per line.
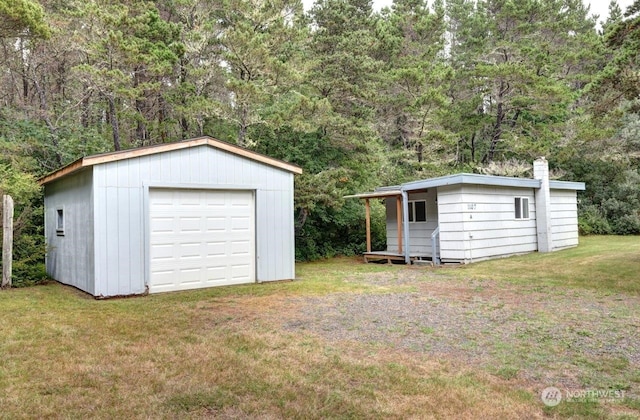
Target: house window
(60,222)
(418,211)
(522,207)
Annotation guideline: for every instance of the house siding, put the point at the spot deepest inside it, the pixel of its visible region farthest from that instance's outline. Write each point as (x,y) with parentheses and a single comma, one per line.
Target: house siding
(70,258)
(419,232)
(564,219)
(121,200)
(478,222)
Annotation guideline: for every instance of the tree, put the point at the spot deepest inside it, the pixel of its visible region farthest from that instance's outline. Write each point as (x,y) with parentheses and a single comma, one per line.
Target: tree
(22,18)
(414,80)
(258,46)
(129,53)
(519,68)
(618,81)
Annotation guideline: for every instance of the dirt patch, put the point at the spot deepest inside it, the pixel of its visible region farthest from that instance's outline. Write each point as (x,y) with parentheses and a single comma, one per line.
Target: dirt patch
(574,339)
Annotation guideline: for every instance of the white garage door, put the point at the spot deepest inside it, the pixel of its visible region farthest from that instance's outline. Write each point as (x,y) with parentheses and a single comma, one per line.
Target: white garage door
(200,238)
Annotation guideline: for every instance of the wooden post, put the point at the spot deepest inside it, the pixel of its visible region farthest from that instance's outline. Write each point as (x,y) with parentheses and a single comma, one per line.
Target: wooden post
(367,216)
(7,240)
(399,221)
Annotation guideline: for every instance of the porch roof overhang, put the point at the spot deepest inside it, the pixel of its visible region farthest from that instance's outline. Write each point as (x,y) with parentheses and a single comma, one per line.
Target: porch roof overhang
(376,194)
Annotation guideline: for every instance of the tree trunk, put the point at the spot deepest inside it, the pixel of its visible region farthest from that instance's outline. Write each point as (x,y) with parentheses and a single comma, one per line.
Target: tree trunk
(162,112)
(113,119)
(184,123)
(84,114)
(473,147)
(44,108)
(497,128)
(242,132)
(141,107)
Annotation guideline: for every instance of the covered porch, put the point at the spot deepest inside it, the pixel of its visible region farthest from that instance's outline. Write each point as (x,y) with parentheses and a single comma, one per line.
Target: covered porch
(400,210)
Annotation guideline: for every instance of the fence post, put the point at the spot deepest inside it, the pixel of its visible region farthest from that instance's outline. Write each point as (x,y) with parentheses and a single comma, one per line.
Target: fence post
(7,240)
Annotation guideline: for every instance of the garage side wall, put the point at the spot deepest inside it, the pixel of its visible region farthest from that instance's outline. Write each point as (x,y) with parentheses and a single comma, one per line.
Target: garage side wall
(564,219)
(121,190)
(478,222)
(70,258)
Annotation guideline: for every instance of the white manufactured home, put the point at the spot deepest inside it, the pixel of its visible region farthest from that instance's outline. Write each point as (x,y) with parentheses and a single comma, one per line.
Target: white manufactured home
(468,217)
(185,215)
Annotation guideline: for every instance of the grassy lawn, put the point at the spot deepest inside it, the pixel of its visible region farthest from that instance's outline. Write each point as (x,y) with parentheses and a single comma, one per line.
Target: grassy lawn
(250,351)
(604,263)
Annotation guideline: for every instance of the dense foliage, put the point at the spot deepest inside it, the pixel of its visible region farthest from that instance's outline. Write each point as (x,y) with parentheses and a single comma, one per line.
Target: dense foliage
(359,98)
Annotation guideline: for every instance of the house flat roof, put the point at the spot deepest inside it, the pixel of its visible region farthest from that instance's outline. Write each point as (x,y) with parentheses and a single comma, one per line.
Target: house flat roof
(469,179)
(492,180)
(88,161)
(475,179)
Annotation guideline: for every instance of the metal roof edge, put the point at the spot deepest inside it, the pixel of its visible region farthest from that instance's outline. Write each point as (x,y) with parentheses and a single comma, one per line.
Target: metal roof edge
(471,179)
(477,179)
(567,185)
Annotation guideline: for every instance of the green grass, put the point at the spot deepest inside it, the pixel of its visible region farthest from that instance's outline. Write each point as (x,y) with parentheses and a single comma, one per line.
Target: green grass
(223,352)
(604,263)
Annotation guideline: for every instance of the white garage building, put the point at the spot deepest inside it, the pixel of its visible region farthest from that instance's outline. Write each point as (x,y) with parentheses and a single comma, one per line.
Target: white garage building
(192,214)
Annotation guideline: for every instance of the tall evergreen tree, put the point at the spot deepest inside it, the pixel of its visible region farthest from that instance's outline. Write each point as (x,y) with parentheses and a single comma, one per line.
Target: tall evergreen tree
(258,47)
(413,85)
(522,62)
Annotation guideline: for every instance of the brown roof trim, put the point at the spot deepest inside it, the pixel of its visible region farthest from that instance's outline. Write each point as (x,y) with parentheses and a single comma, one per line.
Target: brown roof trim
(166,147)
(379,194)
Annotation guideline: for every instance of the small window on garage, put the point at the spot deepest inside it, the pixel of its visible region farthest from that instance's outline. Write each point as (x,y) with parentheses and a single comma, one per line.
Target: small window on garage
(60,222)
(418,211)
(522,207)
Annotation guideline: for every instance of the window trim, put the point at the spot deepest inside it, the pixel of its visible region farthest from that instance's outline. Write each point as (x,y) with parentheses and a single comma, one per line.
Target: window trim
(412,211)
(59,217)
(521,209)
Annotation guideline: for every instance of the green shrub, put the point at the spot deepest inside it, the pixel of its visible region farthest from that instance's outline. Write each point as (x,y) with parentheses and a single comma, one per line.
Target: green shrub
(28,241)
(591,221)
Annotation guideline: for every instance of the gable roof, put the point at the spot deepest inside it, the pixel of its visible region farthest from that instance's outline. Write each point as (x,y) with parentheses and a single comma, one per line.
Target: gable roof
(470,179)
(89,161)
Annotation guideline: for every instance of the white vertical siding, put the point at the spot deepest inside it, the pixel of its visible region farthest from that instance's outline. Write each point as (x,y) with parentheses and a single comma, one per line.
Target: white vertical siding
(120,216)
(564,219)
(478,222)
(419,232)
(70,257)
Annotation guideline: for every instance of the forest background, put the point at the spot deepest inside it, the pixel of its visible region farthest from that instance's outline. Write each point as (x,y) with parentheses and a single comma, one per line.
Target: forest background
(357,97)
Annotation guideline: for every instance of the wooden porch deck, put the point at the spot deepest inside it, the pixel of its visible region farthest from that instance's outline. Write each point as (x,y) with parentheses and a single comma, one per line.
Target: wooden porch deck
(377,256)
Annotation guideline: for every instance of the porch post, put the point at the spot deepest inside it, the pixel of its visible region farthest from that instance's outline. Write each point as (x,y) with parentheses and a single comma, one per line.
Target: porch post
(367,215)
(405,226)
(399,221)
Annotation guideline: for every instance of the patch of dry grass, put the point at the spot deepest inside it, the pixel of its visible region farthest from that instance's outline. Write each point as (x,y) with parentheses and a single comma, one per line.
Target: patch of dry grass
(214,355)
(224,353)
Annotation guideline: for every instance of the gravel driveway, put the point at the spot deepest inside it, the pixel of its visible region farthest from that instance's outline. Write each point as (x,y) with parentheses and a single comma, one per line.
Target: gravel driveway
(574,339)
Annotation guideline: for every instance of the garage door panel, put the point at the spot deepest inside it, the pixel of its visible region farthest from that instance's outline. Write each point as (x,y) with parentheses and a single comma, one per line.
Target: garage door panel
(240,223)
(200,238)
(216,249)
(241,248)
(216,223)
(161,252)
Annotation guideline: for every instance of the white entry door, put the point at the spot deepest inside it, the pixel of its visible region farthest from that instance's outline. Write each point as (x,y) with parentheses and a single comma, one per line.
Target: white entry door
(200,238)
